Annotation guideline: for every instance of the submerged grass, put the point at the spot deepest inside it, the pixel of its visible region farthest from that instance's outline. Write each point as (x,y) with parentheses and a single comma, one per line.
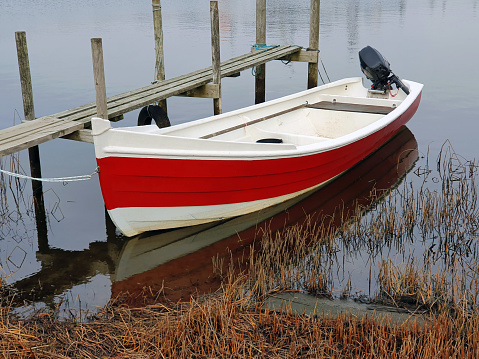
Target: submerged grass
(438,213)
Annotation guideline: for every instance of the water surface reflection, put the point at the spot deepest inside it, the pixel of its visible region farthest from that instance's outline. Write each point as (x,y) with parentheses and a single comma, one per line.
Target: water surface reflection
(182,262)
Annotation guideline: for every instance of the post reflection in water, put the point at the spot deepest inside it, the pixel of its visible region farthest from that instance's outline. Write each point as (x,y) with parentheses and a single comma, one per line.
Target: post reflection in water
(179,263)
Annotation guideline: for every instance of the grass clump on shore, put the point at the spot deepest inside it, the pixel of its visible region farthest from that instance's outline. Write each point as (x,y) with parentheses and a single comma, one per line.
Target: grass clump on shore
(230,326)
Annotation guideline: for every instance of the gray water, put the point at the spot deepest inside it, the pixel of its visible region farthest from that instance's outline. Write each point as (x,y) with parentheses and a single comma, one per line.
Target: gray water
(432,42)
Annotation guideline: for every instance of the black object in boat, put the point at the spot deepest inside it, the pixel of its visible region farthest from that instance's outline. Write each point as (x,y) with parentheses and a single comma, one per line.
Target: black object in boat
(378,71)
(270,140)
(153,112)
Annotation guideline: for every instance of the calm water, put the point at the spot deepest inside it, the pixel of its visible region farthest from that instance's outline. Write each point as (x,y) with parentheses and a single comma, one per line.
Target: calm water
(427,41)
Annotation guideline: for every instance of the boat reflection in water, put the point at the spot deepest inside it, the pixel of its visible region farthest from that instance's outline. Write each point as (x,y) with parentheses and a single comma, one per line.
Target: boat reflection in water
(179,263)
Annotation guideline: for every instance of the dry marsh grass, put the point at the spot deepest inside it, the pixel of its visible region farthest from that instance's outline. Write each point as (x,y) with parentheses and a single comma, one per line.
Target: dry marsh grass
(231,326)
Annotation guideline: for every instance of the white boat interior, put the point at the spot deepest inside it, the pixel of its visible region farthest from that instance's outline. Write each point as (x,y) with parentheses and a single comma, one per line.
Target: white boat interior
(309,117)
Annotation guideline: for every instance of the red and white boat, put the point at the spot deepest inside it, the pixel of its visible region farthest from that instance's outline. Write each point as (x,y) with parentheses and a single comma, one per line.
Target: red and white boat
(245,160)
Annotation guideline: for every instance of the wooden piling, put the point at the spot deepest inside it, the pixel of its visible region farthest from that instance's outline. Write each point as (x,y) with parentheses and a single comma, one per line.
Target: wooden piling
(159,53)
(110,228)
(260,71)
(215,54)
(99,78)
(313,43)
(33,152)
(25,75)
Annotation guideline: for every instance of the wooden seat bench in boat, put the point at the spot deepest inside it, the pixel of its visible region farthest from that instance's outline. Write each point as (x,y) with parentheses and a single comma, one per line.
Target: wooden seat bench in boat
(351,107)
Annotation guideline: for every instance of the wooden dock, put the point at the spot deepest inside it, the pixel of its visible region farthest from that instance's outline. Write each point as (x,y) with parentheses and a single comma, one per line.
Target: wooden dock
(70,122)
(74,123)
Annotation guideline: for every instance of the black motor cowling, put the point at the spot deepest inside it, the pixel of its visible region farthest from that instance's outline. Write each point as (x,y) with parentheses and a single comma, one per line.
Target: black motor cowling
(378,71)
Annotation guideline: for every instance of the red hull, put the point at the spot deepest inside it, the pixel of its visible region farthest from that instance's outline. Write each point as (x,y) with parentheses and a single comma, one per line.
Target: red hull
(148,182)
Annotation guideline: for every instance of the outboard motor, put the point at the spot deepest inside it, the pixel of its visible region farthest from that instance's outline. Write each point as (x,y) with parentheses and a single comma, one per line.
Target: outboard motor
(377,69)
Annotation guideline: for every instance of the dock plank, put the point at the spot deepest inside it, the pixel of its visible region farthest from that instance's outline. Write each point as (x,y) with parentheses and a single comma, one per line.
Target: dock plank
(43,129)
(227,69)
(51,130)
(144,99)
(26,128)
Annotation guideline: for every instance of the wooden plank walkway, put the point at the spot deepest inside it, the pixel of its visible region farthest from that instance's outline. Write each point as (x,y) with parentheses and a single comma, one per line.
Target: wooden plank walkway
(43,129)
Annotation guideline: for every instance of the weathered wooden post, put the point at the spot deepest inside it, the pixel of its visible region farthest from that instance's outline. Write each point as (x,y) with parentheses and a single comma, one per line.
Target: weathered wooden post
(260,77)
(99,78)
(110,228)
(160,58)
(215,54)
(313,43)
(33,152)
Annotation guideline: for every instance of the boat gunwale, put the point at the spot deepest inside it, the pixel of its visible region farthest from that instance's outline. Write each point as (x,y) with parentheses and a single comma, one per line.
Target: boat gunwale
(258,151)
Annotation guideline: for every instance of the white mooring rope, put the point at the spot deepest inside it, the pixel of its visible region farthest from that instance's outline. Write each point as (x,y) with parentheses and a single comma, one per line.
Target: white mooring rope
(58,179)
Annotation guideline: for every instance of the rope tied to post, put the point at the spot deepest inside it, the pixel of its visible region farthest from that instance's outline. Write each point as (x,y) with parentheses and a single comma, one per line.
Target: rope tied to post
(322,63)
(263,47)
(256,70)
(57,179)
